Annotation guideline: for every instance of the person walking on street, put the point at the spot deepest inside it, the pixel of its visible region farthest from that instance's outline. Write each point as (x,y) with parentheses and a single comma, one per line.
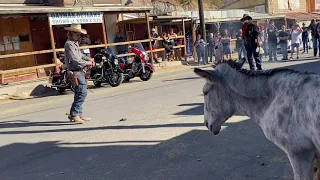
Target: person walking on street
(200,46)
(273,41)
(284,36)
(305,36)
(251,38)
(240,46)
(211,45)
(296,39)
(75,62)
(315,36)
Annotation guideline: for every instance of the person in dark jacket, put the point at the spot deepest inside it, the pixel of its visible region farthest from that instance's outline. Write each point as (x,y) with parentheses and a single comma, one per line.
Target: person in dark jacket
(305,36)
(315,35)
(272,40)
(252,41)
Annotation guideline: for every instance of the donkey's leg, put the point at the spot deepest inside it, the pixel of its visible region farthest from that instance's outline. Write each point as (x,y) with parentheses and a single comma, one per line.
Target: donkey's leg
(302,165)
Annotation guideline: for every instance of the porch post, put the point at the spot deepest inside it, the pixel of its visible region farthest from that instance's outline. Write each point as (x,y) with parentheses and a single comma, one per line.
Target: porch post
(105,41)
(1,78)
(149,35)
(53,45)
(194,38)
(184,39)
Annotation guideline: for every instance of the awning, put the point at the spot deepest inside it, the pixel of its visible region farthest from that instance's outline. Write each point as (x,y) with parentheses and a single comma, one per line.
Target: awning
(303,16)
(208,21)
(5,10)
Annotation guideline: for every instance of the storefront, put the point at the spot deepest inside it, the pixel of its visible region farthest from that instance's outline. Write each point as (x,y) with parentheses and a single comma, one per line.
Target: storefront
(30,38)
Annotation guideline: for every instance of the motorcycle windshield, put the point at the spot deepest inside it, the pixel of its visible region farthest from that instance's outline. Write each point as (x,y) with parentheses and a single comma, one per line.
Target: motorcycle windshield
(139,46)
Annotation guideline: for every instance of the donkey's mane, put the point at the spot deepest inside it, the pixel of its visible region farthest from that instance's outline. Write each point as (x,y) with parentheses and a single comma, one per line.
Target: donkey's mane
(266,73)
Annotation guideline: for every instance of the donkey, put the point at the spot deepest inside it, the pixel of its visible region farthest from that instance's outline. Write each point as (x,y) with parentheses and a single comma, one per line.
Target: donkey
(283,102)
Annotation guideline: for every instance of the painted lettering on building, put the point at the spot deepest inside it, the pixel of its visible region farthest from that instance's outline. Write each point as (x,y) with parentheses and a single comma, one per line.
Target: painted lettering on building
(75,18)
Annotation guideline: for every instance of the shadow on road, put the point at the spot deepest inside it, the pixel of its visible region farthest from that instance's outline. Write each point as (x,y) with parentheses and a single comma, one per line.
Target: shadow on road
(313,67)
(182,79)
(193,155)
(23,123)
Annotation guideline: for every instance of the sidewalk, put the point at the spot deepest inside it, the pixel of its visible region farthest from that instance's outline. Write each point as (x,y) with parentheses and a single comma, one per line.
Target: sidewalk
(39,87)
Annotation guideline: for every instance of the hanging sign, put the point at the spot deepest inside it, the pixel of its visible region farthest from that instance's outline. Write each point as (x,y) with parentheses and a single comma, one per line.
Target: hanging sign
(75,18)
(189,44)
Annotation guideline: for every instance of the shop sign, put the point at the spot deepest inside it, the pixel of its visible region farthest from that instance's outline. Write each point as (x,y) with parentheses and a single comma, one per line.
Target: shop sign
(75,18)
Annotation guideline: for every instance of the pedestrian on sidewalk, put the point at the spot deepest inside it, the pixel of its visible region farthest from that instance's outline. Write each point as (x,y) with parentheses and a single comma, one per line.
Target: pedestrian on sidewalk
(200,46)
(296,39)
(240,46)
(226,42)
(273,41)
(211,45)
(76,61)
(315,36)
(252,41)
(284,36)
(305,38)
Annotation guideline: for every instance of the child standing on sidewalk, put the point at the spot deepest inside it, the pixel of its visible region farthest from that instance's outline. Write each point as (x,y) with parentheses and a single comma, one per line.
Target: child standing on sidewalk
(296,39)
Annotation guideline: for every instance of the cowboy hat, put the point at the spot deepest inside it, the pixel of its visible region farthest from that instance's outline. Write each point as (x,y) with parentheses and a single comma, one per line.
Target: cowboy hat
(76,28)
(246,17)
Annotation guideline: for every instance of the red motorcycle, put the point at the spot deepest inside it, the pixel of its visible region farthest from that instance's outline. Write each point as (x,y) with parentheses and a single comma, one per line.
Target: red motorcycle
(140,67)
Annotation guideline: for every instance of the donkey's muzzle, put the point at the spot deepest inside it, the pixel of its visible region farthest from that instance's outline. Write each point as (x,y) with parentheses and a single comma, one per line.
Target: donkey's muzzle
(214,130)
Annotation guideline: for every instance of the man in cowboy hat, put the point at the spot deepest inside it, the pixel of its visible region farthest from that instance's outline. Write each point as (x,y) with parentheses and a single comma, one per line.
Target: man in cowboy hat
(251,38)
(75,62)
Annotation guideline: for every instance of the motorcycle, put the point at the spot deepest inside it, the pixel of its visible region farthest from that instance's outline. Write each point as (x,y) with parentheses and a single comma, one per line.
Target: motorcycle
(61,80)
(106,70)
(140,67)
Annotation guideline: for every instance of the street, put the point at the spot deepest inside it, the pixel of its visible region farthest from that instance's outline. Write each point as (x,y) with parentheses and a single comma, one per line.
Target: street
(140,130)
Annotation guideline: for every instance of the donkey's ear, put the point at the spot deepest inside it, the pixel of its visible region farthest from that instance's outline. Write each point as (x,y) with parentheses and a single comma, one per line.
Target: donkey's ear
(211,76)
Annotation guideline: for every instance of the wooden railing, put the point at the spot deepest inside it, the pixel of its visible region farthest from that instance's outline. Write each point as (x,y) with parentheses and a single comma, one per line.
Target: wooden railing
(4,72)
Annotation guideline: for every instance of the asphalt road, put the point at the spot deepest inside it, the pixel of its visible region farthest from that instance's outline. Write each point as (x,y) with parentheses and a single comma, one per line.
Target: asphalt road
(163,137)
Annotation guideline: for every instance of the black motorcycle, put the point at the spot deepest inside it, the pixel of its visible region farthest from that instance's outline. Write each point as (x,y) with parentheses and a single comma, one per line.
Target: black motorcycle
(106,69)
(61,80)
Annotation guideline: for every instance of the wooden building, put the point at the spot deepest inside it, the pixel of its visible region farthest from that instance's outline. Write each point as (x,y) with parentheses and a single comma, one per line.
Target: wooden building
(136,30)
(30,36)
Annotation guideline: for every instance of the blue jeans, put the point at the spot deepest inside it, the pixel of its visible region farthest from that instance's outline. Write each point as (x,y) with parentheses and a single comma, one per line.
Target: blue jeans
(242,50)
(251,51)
(315,45)
(80,94)
(272,51)
(305,45)
(201,54)
(284,50)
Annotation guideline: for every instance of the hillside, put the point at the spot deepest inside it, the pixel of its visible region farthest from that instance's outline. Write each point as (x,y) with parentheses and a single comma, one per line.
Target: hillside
(165,6)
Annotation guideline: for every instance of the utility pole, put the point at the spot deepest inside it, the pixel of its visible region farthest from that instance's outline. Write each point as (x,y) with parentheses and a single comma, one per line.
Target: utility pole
(202,24)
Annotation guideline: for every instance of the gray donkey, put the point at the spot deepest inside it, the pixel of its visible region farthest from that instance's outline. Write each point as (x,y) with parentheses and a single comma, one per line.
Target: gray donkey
(283,102)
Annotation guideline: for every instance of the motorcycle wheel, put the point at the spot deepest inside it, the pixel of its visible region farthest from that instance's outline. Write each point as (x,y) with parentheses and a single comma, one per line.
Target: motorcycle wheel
(146,76)
(116,80)
(61,90)
(97,83)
